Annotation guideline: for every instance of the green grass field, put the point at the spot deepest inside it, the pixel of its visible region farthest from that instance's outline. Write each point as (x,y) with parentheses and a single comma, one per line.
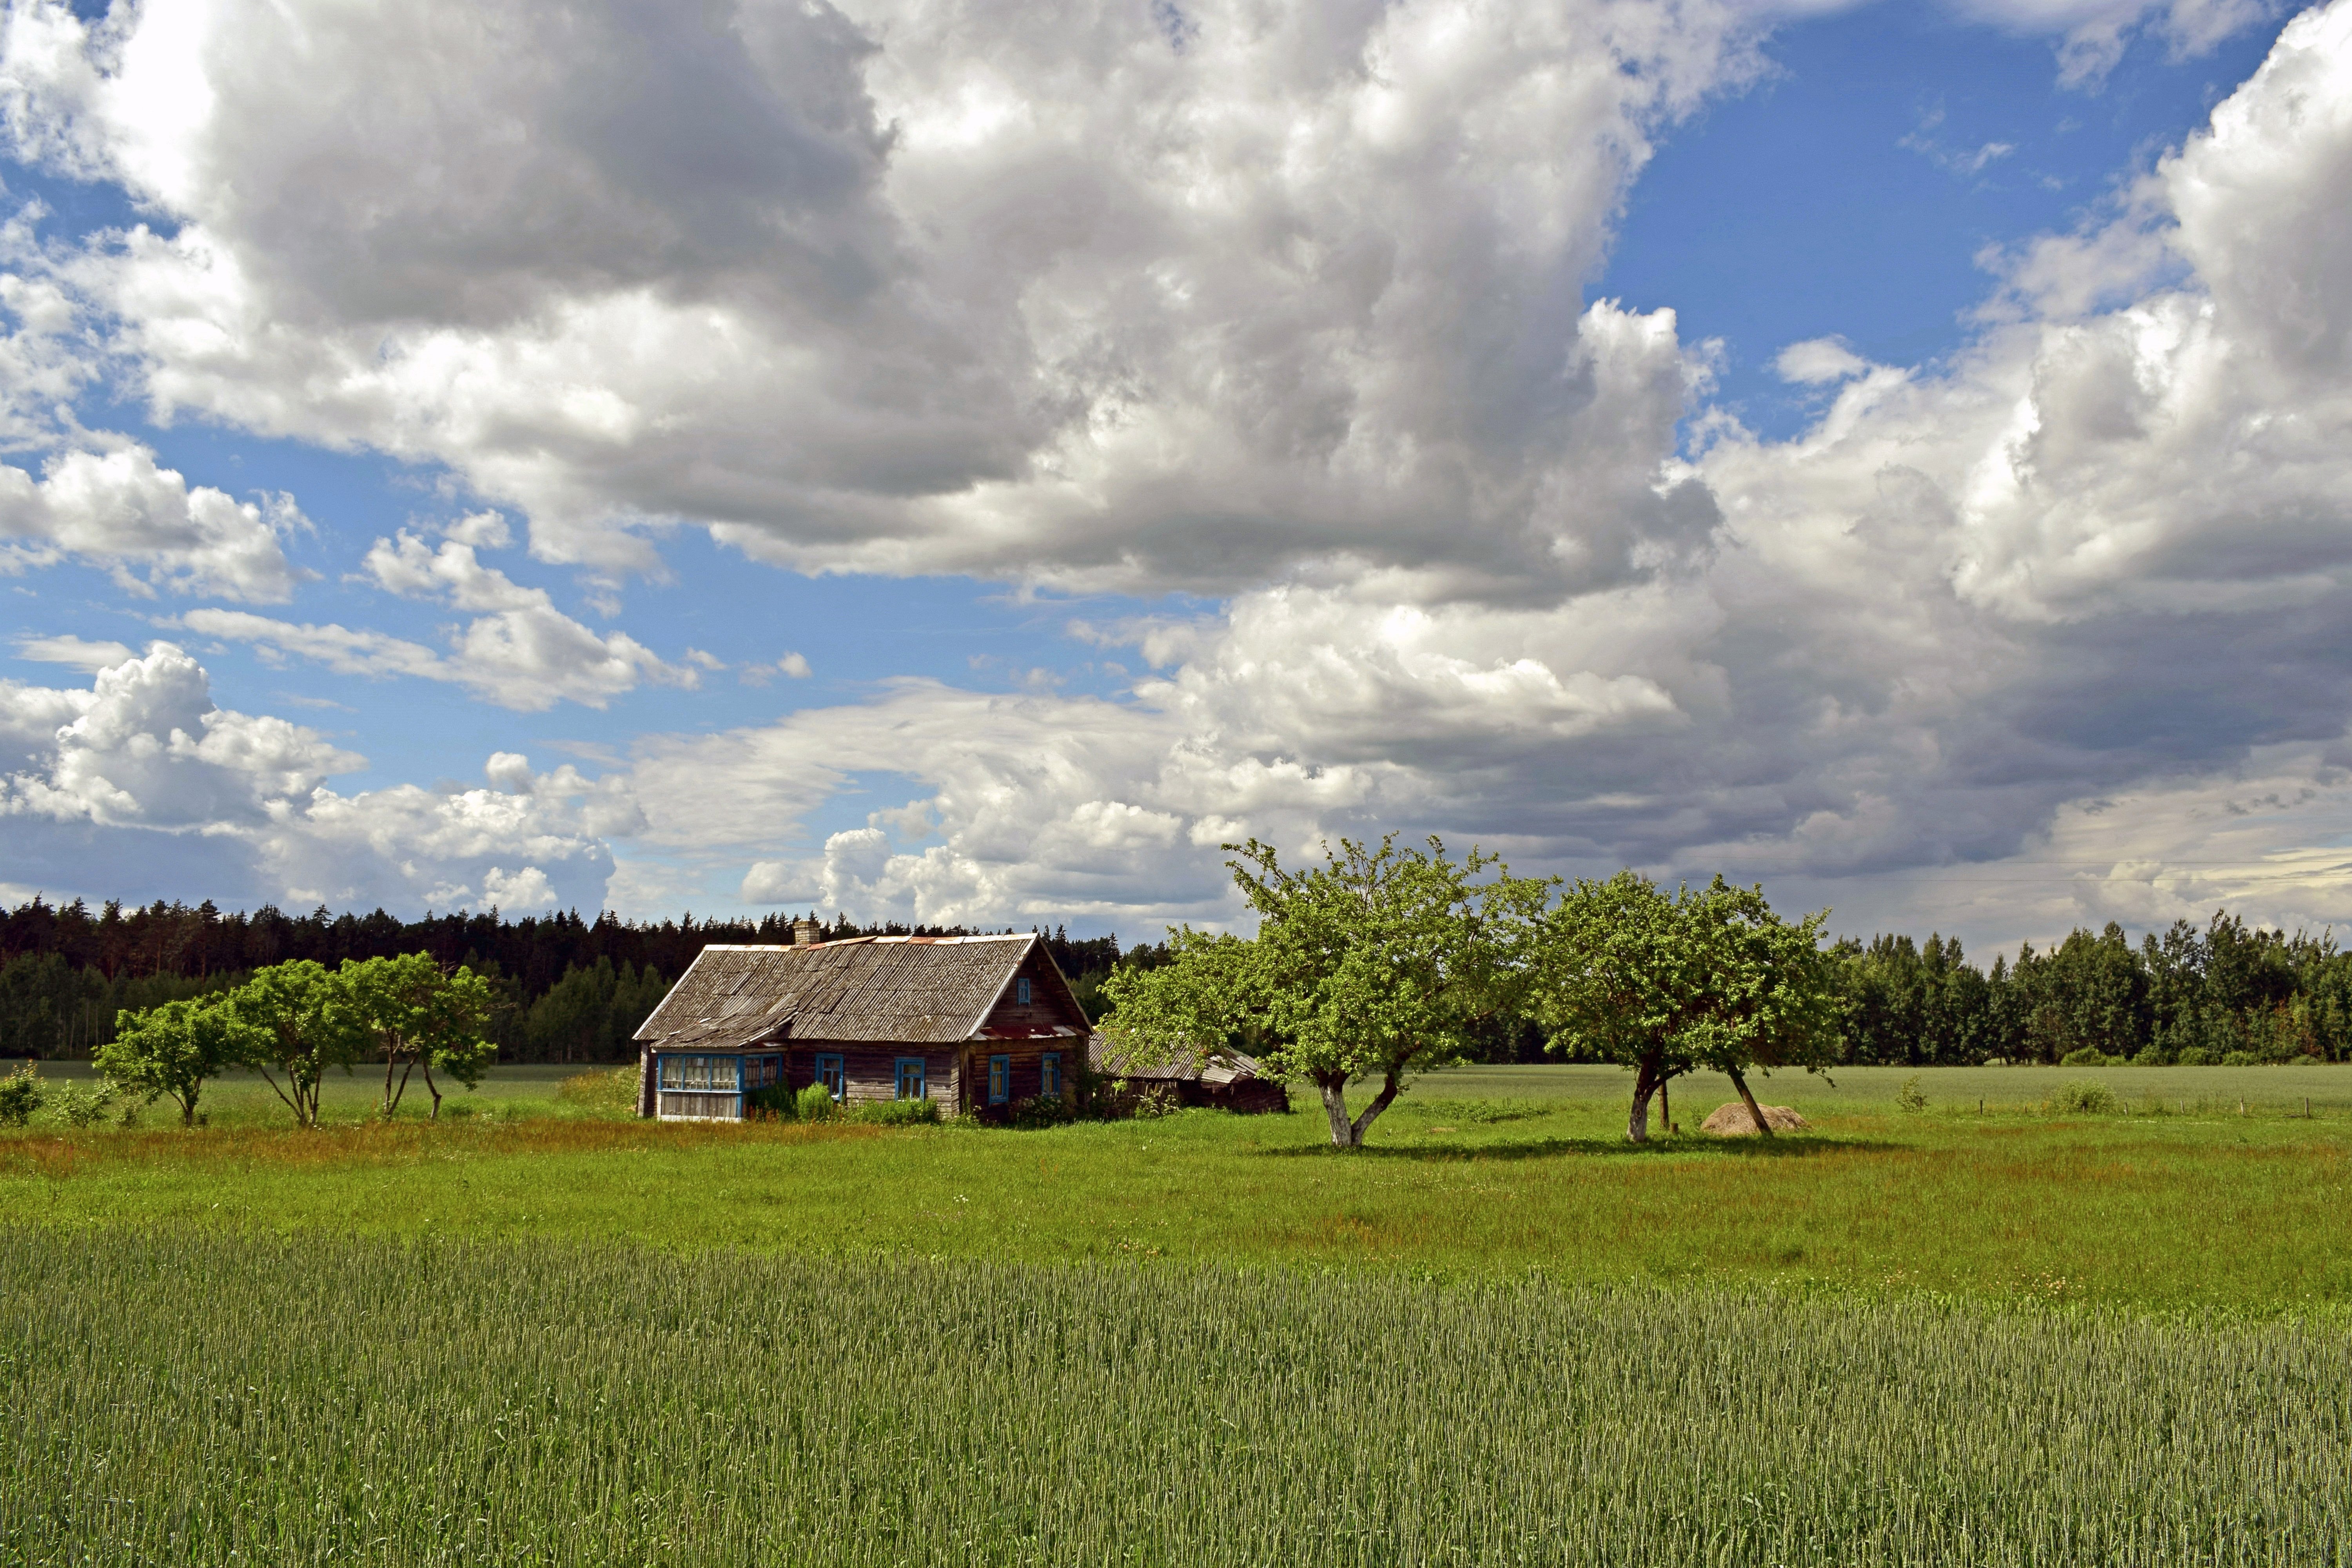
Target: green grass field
(216,1399)
(1984,1331)
(2174,1203)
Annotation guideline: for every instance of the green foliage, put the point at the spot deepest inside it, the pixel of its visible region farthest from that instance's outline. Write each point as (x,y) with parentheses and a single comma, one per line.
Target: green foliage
(1910,1097)
(2086,1097)
(2089,1057)
(81,1105)
(20,1096)
(590,1014)
(814,1103)
(1044,1110)
(413,1016)
(173,1049)
(1521,1422)
(1709,978)
(2239,1059)
(893,1112)
(613,1090)
(297,1019)
(1372,964)
(776,1100)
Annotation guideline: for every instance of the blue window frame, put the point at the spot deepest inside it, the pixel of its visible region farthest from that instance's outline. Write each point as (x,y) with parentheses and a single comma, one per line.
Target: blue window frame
(702,1075)
(1021,991)
(1000,1080)
(911,1078)
(1049,1074)
(829,1073)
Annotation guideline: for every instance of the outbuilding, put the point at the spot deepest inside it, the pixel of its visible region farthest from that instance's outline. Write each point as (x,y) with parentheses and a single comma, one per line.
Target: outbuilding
(975,1023)
(1128,1069)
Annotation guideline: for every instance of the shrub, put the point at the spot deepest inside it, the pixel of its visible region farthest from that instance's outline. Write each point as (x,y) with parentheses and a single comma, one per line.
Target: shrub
(814,1103)
(2196,1057)
(20,1096)
(77,1106)
(776,1100)
(895,1112)
(1909,1098)
(2086,1096)
(601,1088)
(1044,1110)
(2240,1060)
(2089,1057)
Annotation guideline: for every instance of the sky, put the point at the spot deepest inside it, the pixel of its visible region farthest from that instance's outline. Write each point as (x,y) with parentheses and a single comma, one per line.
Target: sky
(965,462)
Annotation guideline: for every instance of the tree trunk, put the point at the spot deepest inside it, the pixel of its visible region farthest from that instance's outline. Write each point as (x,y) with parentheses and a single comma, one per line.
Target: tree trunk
(391,1101)
(1335,1107)
(435,1089)
(1380,1101)
(1740,1082)
(1645,1083)
(1666,1102)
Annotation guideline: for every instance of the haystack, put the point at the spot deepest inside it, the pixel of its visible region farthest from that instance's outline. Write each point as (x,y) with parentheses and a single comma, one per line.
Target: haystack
(1732,1121)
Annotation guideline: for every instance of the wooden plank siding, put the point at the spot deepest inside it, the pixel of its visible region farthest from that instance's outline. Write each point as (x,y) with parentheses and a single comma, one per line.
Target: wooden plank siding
(870,1071)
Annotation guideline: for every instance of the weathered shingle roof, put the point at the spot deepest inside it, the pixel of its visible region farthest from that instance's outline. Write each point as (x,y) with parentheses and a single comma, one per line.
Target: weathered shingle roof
(918,990)
(1112,1055)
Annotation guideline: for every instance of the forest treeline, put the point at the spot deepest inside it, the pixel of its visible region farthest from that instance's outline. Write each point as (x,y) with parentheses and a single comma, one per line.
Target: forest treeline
(568,989)
(572,989)
(2225,993)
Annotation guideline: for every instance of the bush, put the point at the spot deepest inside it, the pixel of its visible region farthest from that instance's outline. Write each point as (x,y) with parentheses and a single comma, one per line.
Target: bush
(2085,1096)
(1909,1098)
(2089,1057)
(2240,1060)
(601,1089)
(1044,1110)
(2196,1057)
(895,1112)
(776,1101)
(79,1106)
(814,1103)
(20,1096)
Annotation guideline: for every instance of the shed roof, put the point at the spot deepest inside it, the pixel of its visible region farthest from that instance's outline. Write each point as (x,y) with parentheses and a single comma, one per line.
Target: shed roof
(1111,1055)
(914,990)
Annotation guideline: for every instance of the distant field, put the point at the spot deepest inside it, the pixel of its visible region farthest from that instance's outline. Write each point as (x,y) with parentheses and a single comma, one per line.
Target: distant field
(173,1399)
(1950,1091)
(1469,1176)
(241,1099)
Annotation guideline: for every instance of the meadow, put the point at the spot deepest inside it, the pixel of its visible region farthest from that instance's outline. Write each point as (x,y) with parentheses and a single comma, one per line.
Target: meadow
(1983,1330)
(2176,1202)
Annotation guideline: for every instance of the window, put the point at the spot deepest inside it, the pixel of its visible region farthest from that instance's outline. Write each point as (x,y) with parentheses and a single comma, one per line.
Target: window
(1000,1080)
(1049,1074)
(1021,991)
(911,1078)
(708,1075)
(828,1073)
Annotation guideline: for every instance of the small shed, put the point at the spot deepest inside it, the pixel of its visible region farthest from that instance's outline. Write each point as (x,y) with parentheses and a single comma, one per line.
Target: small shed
(1226,1079)
(975,1023)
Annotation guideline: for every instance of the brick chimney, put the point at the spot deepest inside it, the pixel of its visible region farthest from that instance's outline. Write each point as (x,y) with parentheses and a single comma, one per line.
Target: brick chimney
(804,933)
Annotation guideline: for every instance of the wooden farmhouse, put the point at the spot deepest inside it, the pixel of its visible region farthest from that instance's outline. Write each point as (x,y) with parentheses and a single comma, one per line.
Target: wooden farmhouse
(977,1023)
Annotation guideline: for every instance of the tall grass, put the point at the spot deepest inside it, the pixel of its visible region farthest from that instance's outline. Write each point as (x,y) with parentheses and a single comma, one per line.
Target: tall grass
(216,1397)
